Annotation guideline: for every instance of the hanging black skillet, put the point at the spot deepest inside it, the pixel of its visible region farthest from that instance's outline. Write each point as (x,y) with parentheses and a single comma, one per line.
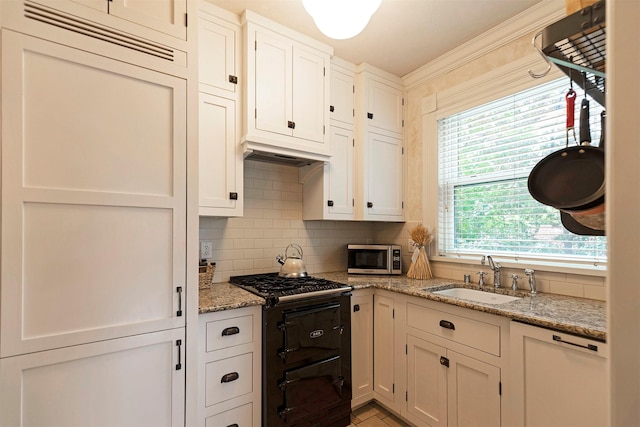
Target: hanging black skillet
(571,178)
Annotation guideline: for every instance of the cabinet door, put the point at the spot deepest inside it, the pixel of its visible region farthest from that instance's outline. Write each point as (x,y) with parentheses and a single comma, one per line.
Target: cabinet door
(361,345)
(384,109)
(220,158)
(273,86)
(309,98)
(427,382)
(384,176)
(342,93)
(339,172)
(93,197)
(383,346)
(473,392)
(217,47)
(134,381)
(559,379)
(166,16)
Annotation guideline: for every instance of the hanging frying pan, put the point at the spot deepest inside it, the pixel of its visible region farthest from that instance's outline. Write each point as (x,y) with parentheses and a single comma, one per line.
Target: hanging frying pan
(571,178)
(592,215)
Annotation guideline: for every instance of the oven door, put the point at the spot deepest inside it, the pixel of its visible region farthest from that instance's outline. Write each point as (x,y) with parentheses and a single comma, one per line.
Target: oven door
(311,390)
(311,333)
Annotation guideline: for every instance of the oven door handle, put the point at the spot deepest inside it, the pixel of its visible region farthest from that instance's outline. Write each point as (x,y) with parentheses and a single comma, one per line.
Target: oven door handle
(284,412)
(284,384)
(283,353)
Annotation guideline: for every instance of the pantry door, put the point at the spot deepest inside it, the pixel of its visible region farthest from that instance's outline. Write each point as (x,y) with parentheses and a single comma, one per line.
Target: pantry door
(93,197)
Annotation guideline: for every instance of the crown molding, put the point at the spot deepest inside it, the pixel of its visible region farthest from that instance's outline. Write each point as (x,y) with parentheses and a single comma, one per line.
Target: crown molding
(531,20)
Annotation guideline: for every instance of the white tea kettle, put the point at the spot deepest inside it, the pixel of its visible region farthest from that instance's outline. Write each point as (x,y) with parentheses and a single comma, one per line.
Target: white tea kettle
(292,265)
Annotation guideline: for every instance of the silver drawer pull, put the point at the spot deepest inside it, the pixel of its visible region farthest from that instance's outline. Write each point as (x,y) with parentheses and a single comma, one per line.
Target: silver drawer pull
(227,378)
(591,347)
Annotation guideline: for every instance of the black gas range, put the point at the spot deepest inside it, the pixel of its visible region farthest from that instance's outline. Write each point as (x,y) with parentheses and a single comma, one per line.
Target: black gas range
(275,289)
(306,350)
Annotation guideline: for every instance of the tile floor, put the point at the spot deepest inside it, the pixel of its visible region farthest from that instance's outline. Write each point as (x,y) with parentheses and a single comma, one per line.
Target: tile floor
(374,415)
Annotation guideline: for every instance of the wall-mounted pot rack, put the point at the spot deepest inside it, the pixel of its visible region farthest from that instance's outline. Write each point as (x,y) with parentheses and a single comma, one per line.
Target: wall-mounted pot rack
(577,45)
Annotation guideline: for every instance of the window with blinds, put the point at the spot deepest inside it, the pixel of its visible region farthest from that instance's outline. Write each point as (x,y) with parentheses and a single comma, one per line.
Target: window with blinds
(485,156)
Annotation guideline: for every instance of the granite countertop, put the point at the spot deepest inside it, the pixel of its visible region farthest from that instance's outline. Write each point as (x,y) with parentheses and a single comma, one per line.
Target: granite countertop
(579,316)
(225,296)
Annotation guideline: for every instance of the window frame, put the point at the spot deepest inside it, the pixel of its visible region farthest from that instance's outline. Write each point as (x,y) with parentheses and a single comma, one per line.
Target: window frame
(493,85)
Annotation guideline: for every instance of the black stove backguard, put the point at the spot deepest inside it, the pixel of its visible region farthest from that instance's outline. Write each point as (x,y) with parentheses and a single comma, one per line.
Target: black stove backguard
(307,363)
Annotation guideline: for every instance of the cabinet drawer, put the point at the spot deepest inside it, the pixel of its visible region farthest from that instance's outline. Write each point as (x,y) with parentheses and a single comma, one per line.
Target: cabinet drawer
(228,378)
(473,333)
(227,333)
(242,416)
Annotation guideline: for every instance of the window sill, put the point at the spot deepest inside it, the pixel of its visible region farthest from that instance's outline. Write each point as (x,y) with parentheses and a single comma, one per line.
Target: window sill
(599,270)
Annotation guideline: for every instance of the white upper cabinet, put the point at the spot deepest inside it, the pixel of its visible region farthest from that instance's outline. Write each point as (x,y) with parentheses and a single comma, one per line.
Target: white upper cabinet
(342,94)
(384,102)
(218,53)
(220,160)
(328,191)
(287,90)
(382,173)
(379,146)
(328,188)
(220,156)
(168,17)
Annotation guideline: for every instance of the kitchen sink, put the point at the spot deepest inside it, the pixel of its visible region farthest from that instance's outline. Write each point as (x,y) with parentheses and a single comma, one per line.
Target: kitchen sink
(476,295)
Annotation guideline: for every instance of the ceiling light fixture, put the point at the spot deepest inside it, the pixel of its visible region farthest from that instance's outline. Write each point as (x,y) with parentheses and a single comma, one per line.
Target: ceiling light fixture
(341,19)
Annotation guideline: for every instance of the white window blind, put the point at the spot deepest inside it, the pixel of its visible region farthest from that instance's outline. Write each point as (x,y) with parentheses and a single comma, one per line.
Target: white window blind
(485,156)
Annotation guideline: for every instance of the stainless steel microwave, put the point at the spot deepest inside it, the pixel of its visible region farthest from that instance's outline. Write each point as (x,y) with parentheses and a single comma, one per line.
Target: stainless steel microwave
(374,259)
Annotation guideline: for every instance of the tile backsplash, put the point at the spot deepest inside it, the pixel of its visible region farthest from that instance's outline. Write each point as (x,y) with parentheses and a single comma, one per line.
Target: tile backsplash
(273,219)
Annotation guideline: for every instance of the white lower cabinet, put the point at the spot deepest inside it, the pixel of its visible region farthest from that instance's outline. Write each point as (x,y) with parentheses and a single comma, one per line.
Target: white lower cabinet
(361,346)
(454,365)
(446,388)
(134,381)
(229,380)
(383,349)
(558,379)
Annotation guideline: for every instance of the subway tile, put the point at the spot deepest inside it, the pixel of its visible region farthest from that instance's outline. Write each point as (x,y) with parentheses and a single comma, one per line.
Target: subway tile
(244,243)
(263,243)
(262,184)
(586,280)
(240,264)
(254,254)
(263,223)
(254,213)
(565,288)
(595,292)
(272,213)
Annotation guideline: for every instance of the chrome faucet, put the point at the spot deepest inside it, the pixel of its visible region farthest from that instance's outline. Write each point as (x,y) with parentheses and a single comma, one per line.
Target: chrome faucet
(495,267)
(514,282)
(481,278)
(532,280)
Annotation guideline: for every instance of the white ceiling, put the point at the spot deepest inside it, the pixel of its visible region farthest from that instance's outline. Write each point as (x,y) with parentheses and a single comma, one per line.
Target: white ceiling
(402,35)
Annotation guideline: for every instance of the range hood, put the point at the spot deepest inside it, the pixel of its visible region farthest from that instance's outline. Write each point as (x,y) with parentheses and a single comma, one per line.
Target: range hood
(283,156)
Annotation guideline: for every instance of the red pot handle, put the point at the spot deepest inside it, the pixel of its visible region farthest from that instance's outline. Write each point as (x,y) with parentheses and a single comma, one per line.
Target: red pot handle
(570,97)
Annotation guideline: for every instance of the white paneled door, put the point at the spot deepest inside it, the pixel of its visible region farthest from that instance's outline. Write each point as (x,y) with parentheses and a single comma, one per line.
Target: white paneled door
(93,197)
(125,382)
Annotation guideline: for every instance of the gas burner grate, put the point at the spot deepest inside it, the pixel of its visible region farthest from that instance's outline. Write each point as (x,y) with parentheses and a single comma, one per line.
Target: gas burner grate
(274,288)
